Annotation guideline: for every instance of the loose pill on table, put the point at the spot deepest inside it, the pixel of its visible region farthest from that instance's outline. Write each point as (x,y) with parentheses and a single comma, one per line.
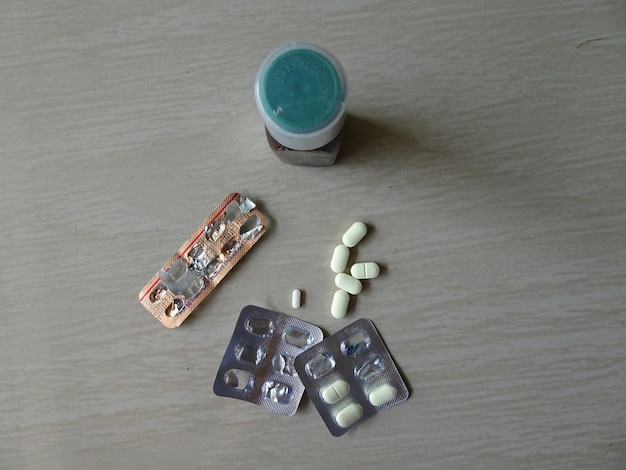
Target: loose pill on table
(382,394)
(334,391)
(339,306)
(349,414)
(339,260)
(354,234)
(348,283)
(367,270)
(296,298)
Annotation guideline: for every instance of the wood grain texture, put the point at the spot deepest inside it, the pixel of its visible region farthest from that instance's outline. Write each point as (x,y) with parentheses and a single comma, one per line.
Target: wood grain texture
(485,148)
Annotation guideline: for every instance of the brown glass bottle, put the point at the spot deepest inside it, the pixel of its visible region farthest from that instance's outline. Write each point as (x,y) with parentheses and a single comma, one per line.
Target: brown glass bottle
(322,156)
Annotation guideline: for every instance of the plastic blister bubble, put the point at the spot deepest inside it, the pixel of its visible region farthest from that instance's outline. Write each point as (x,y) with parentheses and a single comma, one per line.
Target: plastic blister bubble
(356,343)
(239,379)
(319,365)
(369,368)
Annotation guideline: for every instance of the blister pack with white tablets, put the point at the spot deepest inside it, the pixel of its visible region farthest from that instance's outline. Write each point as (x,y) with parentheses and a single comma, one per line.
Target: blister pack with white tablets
(350,377)
(258,365)
(204,259)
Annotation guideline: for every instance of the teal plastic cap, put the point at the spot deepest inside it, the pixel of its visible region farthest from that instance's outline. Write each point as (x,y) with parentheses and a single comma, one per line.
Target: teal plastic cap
(301,92)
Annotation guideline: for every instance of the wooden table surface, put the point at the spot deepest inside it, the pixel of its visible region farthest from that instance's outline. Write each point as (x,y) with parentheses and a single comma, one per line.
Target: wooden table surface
(485,148)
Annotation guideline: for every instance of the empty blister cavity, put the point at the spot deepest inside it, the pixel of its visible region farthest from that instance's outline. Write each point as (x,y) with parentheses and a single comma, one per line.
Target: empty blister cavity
(260,326)
(320,365)
(354,234)
(349,414)
(298,338)
(239,379)
(231,247)
(283,364)
(339,260)
(348,283)
(250,228)
(199,258)
(245,203)
(276,392)
(214,230)
(334,391)
(180,280)
(355,344)
(249,354)
(174,308)
(240,205)
(369,368)
(158,293)
(212,267)
(232,212)
(382,394)
(368,270)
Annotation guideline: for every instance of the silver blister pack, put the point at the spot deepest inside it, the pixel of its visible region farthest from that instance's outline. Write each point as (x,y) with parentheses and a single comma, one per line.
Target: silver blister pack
(350,376)
(258,365)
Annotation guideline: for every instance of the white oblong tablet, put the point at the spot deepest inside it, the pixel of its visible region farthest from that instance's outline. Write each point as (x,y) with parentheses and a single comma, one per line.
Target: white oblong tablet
(339,260)
(366,270)
(382,394)
(335,391)
(348,283)
(349,414)
(339,307)
(296,298)
(354,234)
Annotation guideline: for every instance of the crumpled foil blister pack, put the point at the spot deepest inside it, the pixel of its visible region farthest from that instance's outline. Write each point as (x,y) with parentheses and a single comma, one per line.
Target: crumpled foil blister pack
(258,365)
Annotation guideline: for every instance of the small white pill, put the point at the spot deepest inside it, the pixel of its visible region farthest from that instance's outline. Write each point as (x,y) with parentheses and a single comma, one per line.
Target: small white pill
(354,234)
(382,394)
(348,283)
(366,270)
(348,414)
(339,260)
(339,307)
(296,298)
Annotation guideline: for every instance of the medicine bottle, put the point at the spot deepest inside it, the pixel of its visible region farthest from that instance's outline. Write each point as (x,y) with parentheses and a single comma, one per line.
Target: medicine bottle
(300,91)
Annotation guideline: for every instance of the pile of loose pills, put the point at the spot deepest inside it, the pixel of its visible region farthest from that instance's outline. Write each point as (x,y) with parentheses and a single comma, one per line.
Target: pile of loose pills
(349,284)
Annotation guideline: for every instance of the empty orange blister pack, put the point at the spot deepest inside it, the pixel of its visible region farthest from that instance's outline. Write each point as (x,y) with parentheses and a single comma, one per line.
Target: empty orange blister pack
(205,258)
